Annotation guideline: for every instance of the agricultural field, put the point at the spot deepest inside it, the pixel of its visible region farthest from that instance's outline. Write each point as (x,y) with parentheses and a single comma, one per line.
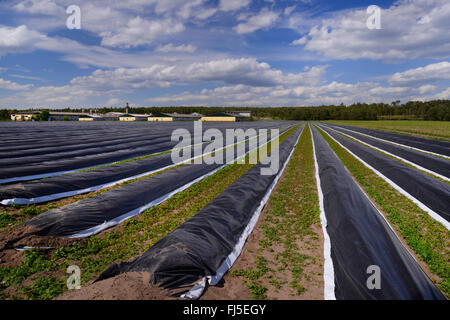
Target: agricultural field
(439,130)
(314,210)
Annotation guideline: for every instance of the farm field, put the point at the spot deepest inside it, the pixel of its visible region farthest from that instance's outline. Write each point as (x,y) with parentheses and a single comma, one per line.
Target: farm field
(439,130)
(345,198)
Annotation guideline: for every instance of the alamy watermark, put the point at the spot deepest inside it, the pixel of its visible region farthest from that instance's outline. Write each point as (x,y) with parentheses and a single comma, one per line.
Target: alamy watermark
(74,280)
(74,20)
(191,149)
(374,19)
(374,280)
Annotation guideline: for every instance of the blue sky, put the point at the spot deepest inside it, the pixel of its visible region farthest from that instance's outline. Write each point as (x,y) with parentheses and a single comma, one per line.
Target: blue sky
(222,53)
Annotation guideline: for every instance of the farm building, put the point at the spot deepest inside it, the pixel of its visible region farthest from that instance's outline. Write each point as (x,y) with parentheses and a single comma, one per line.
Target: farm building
(133,117)
(155,117)
(99,117)
(239,114)
(87,118)
(71,116)
(24,116)
(185,117)
(222,117)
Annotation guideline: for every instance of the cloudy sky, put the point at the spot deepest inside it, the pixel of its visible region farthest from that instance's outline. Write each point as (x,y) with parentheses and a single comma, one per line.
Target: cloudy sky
(222,52)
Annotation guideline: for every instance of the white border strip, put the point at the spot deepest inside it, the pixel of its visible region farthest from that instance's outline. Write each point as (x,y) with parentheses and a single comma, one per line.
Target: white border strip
(393,155)
(198,289)
(108,224)
(328,274)
(398,144)
(422,206)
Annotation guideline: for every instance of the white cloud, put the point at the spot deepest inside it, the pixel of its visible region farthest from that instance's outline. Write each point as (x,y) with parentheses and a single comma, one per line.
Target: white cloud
(19,39)
(232,5)
(263,19)
(409,29)
(203,14)
(181,48)
(300,41)
(426,88)
(52,96)
(430,73)
(141,31)
(298,90)
(289,10)
(283,95)
(245,71)
(46,7)
(444,95)
(113,102)
(10,85)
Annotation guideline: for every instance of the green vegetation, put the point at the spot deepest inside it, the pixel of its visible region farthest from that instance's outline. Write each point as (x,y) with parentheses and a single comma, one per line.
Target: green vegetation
(18,214)
(44,288)
(44,115)
(4,115)
(436,110)
(429,239)
(292,211)
(429,110)
(396,159)
(425,129)
(121,243)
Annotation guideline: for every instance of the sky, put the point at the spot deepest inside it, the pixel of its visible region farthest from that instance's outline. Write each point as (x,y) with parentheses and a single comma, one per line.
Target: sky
(222,52)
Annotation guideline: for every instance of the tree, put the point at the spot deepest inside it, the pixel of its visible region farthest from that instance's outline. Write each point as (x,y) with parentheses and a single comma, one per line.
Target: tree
(44,115)
(4,115)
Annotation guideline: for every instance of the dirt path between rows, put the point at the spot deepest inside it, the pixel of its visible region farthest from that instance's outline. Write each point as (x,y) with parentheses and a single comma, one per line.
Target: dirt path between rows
(285,250)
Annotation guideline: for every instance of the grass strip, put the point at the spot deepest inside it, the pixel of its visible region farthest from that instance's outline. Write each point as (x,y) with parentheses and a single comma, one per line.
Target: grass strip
(292,210)
(438,130)
(120,243)
(428,238)
(394,158)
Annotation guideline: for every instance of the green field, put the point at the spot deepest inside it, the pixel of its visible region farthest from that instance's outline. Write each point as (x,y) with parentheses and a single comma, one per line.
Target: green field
(426,129)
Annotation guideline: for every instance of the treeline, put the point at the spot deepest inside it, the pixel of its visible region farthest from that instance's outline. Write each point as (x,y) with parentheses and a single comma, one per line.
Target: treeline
(429,110)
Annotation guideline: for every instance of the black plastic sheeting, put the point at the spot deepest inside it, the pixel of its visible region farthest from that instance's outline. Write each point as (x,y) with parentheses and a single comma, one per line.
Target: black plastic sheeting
(30,163)
(427,161)
(360,237)
(91,212)
(78,163)
(14,159)
(81,182)
(200,245)
(436,146)
(431,192)
(115,204)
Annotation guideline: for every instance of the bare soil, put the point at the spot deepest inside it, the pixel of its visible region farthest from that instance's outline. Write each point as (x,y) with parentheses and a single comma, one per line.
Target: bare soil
(126,286)
(234,288)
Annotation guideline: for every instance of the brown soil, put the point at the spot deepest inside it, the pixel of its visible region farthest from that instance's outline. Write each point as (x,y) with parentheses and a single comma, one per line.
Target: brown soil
(20,232)
(234,288)
(15,290)
(126,286)
(10,257)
